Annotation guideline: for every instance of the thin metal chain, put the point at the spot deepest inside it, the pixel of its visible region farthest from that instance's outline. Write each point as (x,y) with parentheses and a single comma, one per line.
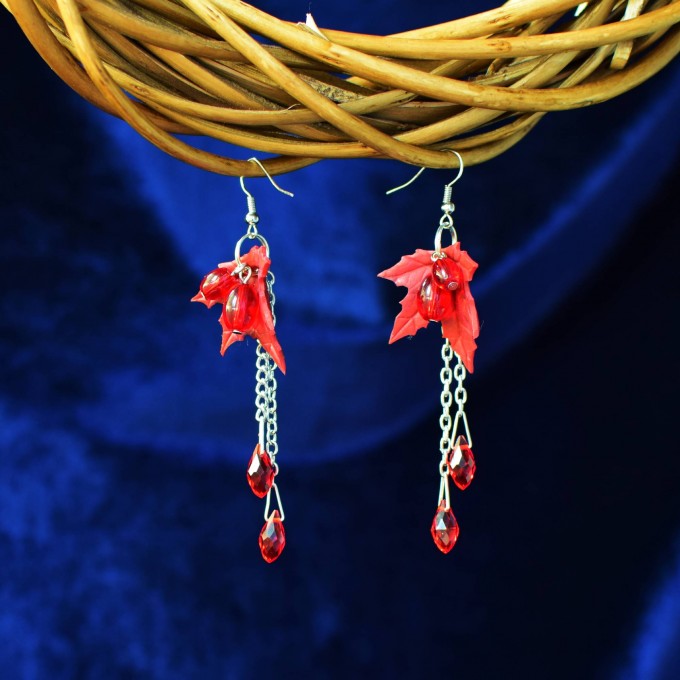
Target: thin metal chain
(261,395)
(446,375)
(459,373)
(271,409)
(460,397)
(445,422)
(272,424)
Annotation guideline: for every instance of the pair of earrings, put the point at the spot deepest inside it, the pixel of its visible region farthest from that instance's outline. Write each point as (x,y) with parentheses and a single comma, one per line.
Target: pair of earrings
(438,290)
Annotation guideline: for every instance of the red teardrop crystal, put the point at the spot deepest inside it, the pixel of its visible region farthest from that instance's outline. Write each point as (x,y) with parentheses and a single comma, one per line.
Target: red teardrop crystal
(241,308)
(272,538)
(217,285)
(433,303)
(462,463)
(260,474)
(444,528)
(447,274)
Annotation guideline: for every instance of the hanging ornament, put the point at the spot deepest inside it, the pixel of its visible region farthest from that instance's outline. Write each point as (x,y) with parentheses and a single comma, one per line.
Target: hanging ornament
(438,289)
(245,289)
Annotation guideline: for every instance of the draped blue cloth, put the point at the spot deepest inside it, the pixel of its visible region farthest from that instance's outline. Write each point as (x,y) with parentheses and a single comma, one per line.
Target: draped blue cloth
(126,537)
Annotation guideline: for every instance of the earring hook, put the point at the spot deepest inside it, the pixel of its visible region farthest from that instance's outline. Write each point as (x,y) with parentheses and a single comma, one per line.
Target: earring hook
(252,217)
(269,177)
(461,167)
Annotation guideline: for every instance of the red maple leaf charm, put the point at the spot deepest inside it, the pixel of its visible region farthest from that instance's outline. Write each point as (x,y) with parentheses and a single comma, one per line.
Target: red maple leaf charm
(247,307)
(438,290)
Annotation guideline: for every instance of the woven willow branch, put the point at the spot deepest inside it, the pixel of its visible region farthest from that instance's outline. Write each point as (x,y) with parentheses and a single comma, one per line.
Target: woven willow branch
(477,84)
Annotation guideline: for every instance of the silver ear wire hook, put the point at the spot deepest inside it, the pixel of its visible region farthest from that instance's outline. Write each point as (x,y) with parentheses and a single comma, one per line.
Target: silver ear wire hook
(406,184)
(252,217)
(446,220)
(447,188)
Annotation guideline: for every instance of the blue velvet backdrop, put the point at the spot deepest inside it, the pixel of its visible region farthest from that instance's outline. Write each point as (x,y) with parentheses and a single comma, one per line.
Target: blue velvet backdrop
(127,533)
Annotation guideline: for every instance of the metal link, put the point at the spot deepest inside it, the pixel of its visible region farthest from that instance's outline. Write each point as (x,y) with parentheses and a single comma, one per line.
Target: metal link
(449,425)
(460,396)
(261,397)
(446,376)
(265,391)
(267,505)
(272,425)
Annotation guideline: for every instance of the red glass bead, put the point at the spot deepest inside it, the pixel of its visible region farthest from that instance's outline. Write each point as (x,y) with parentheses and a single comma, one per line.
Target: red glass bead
(241,308)
(447,274)
(217,285)
(260,472)
(433,303)
(272,538)
(444,528)
(462,463)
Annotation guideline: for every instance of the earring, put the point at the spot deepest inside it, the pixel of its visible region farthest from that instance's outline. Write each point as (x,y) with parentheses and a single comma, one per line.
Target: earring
(438,283)
(244,287)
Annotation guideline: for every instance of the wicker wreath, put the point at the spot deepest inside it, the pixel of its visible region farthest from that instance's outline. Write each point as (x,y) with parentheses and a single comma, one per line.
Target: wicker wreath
(476,84)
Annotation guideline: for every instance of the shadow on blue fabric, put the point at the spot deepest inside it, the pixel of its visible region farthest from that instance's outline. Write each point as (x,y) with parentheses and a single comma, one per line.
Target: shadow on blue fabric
(127,533)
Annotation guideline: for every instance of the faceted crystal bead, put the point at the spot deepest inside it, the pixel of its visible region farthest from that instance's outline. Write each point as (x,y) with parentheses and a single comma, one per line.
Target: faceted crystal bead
(462,463)
(444,528)
(217,285)
(433,303)
(272,538)
(447,274)
(241,308)
(260,472)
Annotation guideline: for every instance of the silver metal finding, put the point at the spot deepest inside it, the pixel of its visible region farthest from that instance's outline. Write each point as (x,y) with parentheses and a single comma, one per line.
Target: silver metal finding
(252,218)
(461,167)
(267,515)
(239,243)
(446,220)
(265,392)
(261,396)
(406,184)
(460,397)
(444,492)
(446,376)
(445,422)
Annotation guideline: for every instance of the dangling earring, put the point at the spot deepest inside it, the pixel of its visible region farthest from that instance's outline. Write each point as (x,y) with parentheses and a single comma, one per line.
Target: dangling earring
(244,287)
(438,290)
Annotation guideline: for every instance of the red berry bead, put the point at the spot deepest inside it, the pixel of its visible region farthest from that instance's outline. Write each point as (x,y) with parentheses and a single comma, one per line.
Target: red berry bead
(433,303)
(217,285)
(447,274)
(241,308)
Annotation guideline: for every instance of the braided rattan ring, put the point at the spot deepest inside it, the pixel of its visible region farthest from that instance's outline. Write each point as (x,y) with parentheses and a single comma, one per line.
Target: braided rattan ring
(477,84)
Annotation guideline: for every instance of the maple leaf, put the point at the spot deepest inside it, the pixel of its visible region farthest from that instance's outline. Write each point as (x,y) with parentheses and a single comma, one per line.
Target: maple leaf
(461,326)
(263,325)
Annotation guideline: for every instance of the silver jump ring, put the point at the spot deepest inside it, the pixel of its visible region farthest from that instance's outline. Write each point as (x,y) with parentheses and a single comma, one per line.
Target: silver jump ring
(438,236)
(239,243)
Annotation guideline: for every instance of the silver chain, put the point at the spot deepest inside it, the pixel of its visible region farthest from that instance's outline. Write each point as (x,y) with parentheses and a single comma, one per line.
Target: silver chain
(266,405)
(265,402)
(261,393)
(445,422)
(272,425)
(446,375)
(460,397)
(450,427)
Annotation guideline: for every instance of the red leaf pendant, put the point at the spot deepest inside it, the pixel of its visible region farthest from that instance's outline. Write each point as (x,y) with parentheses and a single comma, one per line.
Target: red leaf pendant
(247,308)
(438,290)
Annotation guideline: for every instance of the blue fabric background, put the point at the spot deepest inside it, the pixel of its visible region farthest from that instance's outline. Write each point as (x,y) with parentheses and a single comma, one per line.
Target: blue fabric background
(127,533)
